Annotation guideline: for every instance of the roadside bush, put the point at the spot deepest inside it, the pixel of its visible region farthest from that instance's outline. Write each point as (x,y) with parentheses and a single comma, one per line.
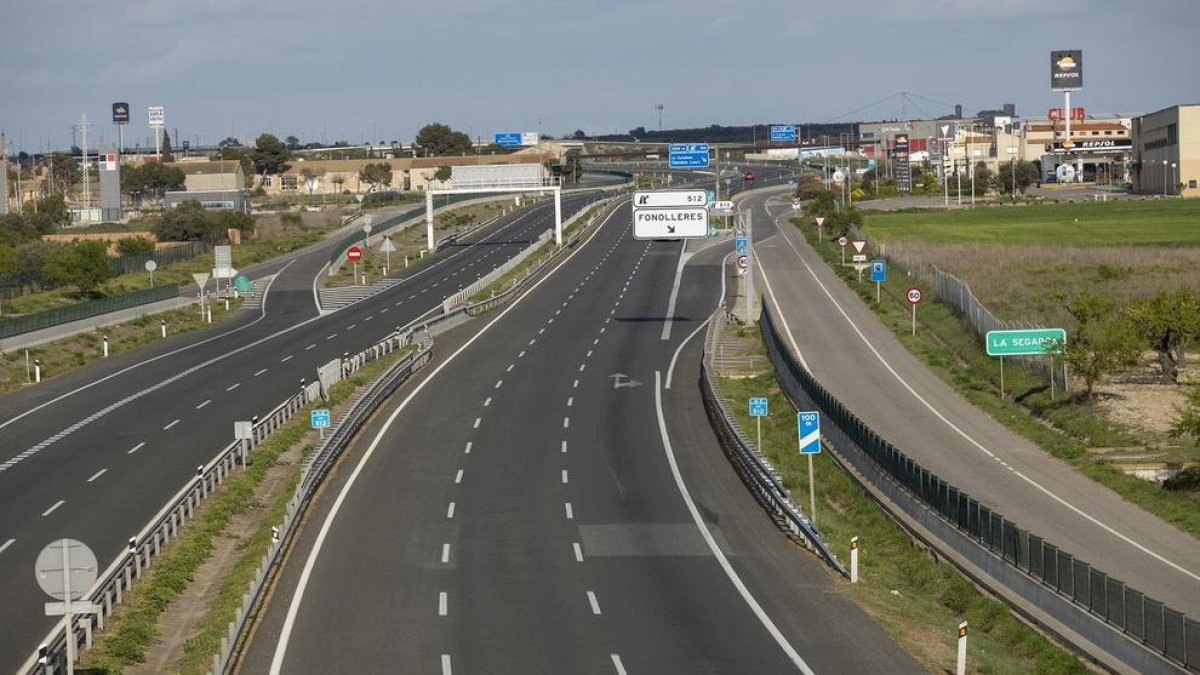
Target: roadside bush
(134,245)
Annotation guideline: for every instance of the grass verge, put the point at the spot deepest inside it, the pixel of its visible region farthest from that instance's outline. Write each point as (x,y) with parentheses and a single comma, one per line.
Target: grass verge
(917,600)
(1063,427)
(133,626)
(77,351)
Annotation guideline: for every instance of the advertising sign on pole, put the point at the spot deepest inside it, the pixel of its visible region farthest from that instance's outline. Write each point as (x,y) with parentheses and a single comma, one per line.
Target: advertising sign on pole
(158,116)
(120,111)
(900,163)
(1066,69)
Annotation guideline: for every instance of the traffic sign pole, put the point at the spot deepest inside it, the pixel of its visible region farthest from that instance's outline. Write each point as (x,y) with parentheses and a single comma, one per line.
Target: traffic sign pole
(812,493)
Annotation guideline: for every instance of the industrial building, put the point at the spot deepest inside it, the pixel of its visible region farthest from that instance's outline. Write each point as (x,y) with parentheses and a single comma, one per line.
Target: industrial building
(1166,152)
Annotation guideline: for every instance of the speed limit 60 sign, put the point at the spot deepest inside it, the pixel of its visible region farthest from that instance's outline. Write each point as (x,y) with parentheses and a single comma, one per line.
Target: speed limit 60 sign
(913,294)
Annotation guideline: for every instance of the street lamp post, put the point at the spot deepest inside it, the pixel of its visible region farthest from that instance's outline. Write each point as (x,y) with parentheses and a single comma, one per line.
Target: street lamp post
(1174,181)
(1164,175)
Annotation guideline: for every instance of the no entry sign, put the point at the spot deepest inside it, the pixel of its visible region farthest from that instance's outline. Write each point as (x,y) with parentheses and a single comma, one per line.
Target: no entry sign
(354,254)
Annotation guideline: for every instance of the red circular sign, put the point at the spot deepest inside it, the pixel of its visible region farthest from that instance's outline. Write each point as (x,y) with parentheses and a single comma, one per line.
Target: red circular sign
(913,294)
(741,262)
(843,241)
(748,176)
(354,254)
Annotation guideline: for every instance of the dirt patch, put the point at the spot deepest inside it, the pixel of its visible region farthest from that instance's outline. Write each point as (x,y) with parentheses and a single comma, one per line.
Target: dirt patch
(1136,399)
(179,621)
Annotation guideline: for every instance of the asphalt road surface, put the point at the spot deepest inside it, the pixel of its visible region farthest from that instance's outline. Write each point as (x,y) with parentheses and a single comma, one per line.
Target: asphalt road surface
(94,453)
(863,364)
(538,501)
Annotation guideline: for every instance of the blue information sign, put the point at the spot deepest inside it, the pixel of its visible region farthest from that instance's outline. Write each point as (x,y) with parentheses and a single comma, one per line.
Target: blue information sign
(320,418)
(507,139)
(783,133)
(739,245)
(712,196)
(879,270)
(758,406)
(688,156)
(809,423)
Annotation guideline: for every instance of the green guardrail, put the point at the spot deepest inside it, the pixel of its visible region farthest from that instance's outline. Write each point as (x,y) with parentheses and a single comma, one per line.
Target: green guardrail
(55,317)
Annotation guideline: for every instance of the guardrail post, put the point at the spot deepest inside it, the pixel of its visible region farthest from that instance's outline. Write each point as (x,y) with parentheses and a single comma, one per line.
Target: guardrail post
(137,560)
(87,631)
(203,482)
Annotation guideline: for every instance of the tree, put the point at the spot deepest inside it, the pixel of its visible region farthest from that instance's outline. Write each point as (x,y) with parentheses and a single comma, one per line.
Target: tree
(64,171)
(438,139)
(443,173)
(152,180)
(186,222)
(1025,174)
(10,262)
(338,180)
(1103,340)
(375,175)
(83,264)
(166,147)
(1187,423)
(291,143)
(47,214)
(1168,322)
(579,135)
(982,177)
(269,155)
(229,142)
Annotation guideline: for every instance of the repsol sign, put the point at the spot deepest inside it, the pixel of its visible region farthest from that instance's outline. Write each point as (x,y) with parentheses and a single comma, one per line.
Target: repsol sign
(1102,144)
(1066,69)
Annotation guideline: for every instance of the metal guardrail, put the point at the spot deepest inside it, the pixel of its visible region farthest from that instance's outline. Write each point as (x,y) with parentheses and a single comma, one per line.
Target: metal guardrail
(755,471)
(55,317)
(1131,626)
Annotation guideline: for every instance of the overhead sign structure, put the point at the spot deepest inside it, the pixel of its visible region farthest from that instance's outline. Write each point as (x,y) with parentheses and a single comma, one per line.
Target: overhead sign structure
(809,424)
(507,139)
(682,223)
(688,156)
(758,406)
(1066,69)
(783,133)
(654,199)
(1027,342)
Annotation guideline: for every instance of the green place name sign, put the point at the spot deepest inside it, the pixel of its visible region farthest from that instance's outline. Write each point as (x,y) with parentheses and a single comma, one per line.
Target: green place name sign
(1026,342)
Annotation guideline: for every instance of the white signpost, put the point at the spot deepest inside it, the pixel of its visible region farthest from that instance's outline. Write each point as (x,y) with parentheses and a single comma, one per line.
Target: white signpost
(678,223)
(65,570)
(387,247)
(150,267)
(201,278)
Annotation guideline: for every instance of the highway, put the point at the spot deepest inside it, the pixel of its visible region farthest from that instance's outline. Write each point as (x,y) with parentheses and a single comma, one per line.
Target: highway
(94,453)
(865,366)
(537,501)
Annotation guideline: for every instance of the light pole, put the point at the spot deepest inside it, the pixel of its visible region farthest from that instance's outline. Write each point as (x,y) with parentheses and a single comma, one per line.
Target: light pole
(1164,175)
(1174,181)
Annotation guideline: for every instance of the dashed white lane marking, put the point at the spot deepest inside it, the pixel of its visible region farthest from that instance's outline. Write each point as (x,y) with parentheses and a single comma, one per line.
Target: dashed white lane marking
(575,385)
(450,511)
(233,386)
(170,425)
(533,342)
(445,553)
(204,404)
(594,602)
(382,311)
(570,511)
(370,317)
(578,554)
(6,544)
(589,354)
(286,359)
(566,422)
(310,347)
(541,330)
(443,610)
(487,402)
(564,446)
(595,342)
(446,665)
(260,372)
(331,336)
(54,508)
(135,448)
(549,321)
(478,421)
(521,355)
(564,476)
(510,367)
(351,326)
(458,477)
(570,401)
(467,450)
(582,366)
(96,475)
(616,659)
(500,382)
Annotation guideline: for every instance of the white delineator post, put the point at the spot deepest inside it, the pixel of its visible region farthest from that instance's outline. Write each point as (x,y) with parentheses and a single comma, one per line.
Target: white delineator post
(961,667)
(854,560)
(163,324)
(106,346)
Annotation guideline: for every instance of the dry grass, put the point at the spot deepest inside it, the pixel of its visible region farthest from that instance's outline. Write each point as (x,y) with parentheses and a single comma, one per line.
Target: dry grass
(1030,283)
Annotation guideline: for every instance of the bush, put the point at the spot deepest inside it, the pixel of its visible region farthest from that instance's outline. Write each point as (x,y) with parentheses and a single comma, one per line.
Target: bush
(134,245)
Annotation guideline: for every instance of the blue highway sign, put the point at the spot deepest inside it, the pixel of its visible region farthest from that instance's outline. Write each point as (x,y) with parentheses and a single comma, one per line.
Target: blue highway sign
(320,418)
(688,156)
(809,423)
(879,270)
(507,139)
(782,133)
(758,406)
(739,244)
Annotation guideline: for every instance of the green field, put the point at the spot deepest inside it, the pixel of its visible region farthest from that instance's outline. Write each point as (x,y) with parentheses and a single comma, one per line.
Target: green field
(1114,223)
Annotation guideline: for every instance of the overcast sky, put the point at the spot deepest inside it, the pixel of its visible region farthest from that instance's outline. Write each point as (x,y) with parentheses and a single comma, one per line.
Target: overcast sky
(376,69)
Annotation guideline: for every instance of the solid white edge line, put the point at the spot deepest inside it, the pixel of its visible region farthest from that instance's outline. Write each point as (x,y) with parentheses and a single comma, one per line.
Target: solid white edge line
(316,295)
(967,437)
(446,664)
(616,661)
(679,349)
(309,563)
(759,612)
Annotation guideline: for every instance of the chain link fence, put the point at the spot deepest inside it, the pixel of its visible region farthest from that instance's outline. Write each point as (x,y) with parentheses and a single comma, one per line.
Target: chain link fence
(55,317)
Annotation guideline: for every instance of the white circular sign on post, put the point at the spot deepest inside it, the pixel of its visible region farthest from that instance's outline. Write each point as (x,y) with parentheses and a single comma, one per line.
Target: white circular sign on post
(913,294)
(151,265)
(80,569)
(367,228)
(843,241)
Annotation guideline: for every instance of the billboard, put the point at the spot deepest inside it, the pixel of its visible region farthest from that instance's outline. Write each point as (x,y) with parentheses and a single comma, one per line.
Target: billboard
(1066,69)
(496,175)
(900,160)
(120,112)
(158,117)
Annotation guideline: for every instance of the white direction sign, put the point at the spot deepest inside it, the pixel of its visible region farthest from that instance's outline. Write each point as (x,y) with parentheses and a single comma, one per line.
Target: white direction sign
(723,205)
(657,199)
(687,223)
